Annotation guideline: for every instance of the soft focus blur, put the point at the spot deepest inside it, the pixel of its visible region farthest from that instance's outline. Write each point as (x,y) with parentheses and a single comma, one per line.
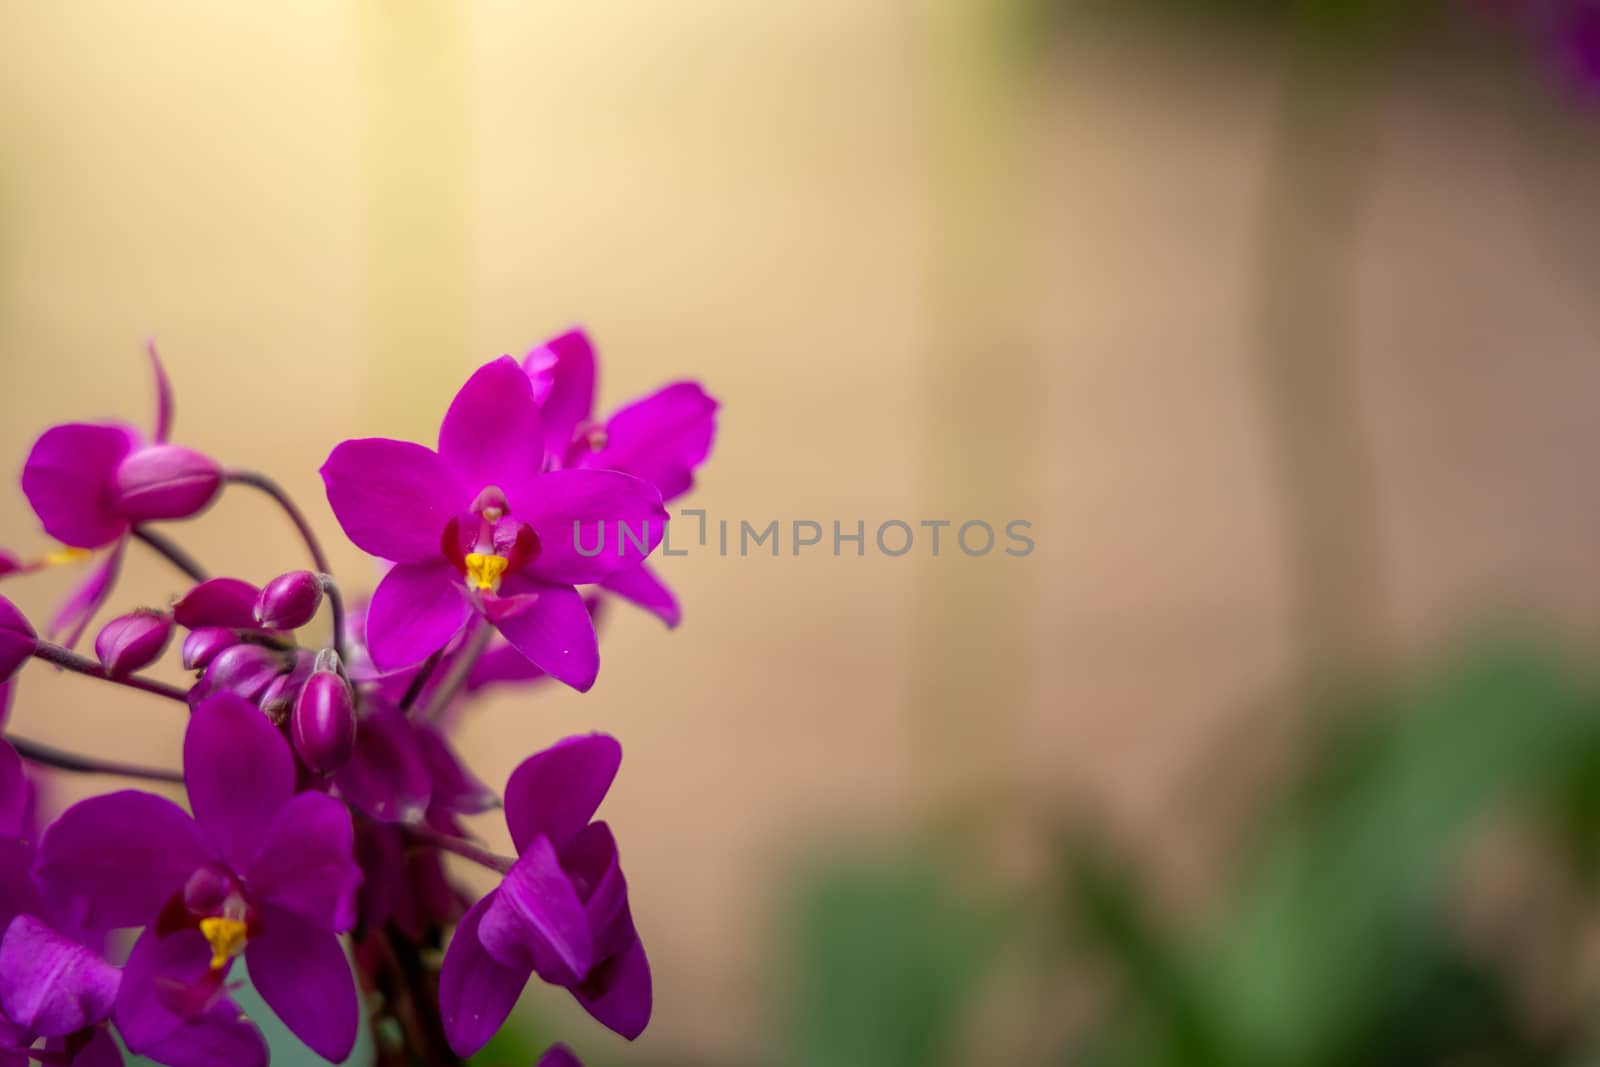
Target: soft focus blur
(1279,327)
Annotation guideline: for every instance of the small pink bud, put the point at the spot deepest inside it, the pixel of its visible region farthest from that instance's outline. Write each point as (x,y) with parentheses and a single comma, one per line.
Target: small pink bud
(132,642)
(220,602)
(202,646)
(165,482)
(289,601)
(324,723)
(244,669)
(279,697)
(17,640)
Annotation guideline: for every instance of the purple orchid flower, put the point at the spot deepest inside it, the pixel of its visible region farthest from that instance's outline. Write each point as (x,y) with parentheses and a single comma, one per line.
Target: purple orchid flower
(481,527)
(91,483)
(55,987)
(561,912)
(257,870)
(661,438)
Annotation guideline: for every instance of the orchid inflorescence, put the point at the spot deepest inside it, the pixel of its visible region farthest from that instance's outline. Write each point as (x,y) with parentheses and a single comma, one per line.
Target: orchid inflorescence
(322,789)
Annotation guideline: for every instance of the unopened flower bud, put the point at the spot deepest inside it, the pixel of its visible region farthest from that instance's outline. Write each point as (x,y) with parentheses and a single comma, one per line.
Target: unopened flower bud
(324,723)
(165,482)
(279,697)
(289,601)
(132,642)
(219,602)
(17,640)
(243,669)
(202,646)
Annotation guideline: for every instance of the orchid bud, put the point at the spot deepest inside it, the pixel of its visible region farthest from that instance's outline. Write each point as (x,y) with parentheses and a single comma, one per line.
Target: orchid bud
(324,724)
(289,601)
(17,640)
(202,646)
(279,697)
(165,482)
(243,669)
(132,642)
(218,602)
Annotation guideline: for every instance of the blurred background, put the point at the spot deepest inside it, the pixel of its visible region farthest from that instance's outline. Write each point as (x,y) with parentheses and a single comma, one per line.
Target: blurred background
(1278,322)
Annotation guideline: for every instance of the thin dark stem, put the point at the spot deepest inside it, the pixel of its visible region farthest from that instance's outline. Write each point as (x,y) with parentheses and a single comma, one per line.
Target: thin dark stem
(336,609)
(477,641)
(466,849)
(62,760)
(174,554)
(420,682)
(266,485)
(84,665)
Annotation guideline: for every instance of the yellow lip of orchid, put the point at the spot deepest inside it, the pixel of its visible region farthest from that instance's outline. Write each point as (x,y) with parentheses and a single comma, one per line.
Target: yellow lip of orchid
(65,555)
(227,938)
(485,571)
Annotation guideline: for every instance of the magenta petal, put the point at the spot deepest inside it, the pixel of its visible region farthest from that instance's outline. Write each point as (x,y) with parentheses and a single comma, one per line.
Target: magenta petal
(73,616)
(50,984)
(591,524)
(155,967)
(455,787)
(415,611)
(618,993)
(101,1051)
(163,425)
(165,482)
(556,633)
(476,992)
(558,1056)
(491,436)
(556,792)
(224,602)
(502,663)
(68,480)
(17,640)
(662,438)
(562,371)
(385,776)
(113,860)
(239,772)
(393,498)
(537,918)
(16,797)
(590,860)
(157,973)
(306,865)
(301,972)
(642,586)
(219,1038)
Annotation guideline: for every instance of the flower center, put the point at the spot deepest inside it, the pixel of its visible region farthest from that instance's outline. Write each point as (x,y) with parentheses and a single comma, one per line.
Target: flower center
(227,937)
(485,571)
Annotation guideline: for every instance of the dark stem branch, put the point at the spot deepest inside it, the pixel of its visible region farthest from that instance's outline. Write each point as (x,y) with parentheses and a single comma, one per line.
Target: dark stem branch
(266,485)
(174,554)
(425,835)
(336,609)
(62,760)
(477,641)
(84,665)
(420,682)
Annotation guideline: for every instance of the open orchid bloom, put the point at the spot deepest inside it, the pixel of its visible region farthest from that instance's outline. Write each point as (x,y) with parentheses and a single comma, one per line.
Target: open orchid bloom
(481,529)
(562,910)
(258,871)
(91,483)
(326,801)
(663,438)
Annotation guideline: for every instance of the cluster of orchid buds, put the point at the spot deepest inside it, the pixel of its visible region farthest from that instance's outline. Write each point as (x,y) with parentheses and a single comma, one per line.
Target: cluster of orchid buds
(323,792)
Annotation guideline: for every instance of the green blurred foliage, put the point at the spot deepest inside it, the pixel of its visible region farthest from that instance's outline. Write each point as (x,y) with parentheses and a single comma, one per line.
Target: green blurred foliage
(1335,941)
